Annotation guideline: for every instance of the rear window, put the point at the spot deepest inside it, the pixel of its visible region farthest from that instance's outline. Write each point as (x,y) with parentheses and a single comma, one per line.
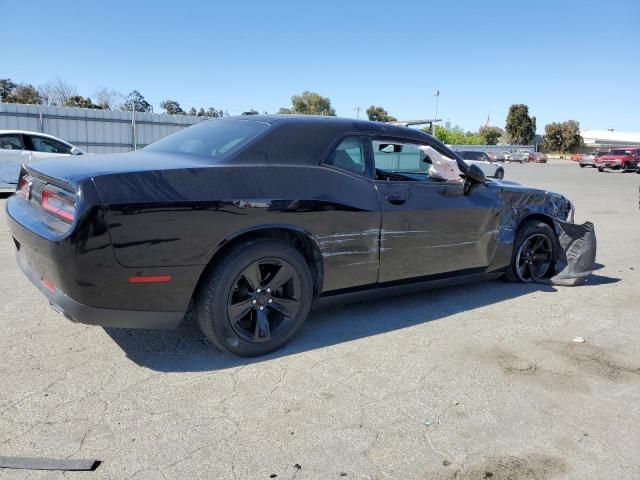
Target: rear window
(619,152)
(215,139)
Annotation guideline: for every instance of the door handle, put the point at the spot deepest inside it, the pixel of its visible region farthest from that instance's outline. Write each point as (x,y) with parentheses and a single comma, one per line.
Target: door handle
(396,198)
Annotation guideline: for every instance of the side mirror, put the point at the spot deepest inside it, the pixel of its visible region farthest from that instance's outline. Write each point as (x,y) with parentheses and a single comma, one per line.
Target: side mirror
(75,151)
(475,174)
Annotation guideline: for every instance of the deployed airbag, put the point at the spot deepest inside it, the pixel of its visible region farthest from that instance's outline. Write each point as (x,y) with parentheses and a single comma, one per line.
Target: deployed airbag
(577,255)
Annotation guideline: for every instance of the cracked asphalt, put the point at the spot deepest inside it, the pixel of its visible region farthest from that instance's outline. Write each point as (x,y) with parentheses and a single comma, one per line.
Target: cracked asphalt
(471,382)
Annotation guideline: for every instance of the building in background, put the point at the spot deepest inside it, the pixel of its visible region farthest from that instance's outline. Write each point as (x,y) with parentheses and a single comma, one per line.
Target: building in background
(604,139)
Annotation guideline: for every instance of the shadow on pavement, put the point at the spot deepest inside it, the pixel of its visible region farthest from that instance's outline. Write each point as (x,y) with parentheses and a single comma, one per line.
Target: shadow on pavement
(186,350)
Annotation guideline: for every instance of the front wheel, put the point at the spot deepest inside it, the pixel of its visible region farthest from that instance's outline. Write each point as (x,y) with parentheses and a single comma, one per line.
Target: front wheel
(499,174)
(255,298)
(534,253)
(582,166)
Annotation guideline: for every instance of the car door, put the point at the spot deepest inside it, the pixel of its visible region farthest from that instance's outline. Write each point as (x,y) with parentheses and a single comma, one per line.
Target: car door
(430,226)
(45,147)
(12,154)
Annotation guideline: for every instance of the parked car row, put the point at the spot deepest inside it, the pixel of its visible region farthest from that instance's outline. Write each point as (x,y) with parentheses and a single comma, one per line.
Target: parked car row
(622,159)
(519,157)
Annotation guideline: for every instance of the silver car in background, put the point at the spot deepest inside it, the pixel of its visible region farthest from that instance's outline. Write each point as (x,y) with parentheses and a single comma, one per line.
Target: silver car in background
(19,146)
(589,160)
(482,160)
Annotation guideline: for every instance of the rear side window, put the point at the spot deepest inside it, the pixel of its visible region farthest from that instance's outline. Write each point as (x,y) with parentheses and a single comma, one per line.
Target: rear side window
(214,139)
(47,145)
(11,142)
(349,155)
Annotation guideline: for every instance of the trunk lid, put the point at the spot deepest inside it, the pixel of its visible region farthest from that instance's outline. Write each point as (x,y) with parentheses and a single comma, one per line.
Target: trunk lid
(71,170)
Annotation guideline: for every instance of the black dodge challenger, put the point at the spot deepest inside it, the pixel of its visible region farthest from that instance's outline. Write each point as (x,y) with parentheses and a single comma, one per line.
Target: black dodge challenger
(248,221)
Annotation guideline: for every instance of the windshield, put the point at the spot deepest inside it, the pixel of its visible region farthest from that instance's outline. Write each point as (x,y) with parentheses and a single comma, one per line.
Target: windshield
(216,139)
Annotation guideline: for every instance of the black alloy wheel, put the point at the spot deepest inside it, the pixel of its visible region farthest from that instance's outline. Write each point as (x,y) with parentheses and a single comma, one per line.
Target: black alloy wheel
(264,300)
(255,297)
(534,257)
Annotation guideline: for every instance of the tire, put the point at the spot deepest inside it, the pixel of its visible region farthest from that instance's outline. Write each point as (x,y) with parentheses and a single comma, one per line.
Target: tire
(582,166)
(499,174)
(229,290)
(529,233)
(600,169)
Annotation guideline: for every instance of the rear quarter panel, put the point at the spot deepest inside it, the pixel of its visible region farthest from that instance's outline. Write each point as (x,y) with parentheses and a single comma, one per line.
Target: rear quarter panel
(182,217)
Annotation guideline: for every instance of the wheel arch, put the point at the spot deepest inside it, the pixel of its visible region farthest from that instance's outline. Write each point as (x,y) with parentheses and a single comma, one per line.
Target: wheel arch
(293,235)
(541,217)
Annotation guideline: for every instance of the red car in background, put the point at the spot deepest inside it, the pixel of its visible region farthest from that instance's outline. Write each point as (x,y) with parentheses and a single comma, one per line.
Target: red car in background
(537,157)
(625,159)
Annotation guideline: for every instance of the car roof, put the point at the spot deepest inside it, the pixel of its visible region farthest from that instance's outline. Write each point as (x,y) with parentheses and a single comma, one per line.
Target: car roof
(27,132)
(304,139)
(348,124)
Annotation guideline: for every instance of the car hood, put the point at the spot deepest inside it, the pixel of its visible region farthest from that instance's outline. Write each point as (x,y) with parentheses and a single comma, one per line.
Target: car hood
(75,168)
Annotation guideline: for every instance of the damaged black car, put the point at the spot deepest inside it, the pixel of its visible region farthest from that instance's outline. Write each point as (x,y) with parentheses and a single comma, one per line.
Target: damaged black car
(249,222)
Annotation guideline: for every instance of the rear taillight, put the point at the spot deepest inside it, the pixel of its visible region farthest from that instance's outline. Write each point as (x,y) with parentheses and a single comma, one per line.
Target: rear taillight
(23,187)
(60,204)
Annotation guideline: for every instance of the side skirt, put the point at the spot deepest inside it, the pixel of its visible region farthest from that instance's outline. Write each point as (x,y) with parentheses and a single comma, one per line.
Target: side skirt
(394,289)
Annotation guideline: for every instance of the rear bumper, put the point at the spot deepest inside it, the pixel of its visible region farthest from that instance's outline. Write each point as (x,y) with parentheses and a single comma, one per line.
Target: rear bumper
(78,312)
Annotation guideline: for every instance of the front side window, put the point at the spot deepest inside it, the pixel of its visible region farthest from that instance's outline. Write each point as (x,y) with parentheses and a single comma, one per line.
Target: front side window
(349,155)
(399,160)
(11,142)
(214,139)
(47,145)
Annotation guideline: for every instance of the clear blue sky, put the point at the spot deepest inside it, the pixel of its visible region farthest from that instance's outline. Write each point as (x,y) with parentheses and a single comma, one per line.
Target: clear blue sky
(565,59)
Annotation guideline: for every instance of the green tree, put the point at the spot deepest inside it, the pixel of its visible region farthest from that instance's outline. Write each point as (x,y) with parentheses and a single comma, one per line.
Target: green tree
(571,138)
(562,137)
(552,139)
(491,135)
(193,112)
(24,93)
(81,102)
(457,136)
(310,103)
(284,111)
(6,88)
(520,126)
(379,114)
(171,107)
(136,101)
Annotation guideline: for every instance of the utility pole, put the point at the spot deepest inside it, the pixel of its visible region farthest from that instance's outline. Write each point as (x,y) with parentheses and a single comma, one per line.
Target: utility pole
(357,110)
(433,124)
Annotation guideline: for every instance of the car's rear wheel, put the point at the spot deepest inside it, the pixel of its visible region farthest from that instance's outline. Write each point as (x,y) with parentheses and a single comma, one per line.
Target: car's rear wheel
(256,298)
(582,166)
(600,169)
(534,253)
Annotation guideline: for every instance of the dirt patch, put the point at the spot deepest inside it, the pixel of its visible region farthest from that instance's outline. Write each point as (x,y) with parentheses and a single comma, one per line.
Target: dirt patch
(595,360)
(516,366)
(530,467)
(511,363)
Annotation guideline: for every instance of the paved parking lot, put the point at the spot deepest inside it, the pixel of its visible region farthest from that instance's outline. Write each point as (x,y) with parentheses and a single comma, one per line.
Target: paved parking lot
(477,381)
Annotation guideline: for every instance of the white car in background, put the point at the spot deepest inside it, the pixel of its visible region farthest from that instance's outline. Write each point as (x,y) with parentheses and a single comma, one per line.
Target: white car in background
(19,146)
(482,160)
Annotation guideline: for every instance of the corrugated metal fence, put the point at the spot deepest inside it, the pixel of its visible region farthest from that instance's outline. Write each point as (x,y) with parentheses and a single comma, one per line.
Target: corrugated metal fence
(96,131)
